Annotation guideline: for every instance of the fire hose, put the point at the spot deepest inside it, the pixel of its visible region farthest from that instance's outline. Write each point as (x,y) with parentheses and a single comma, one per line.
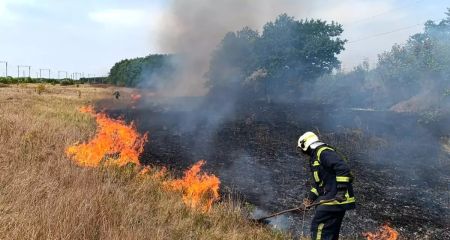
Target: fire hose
(301,208)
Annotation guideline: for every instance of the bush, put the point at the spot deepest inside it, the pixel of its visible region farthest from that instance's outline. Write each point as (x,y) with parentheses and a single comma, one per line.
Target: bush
(40,89)
(6,80)
(66,82)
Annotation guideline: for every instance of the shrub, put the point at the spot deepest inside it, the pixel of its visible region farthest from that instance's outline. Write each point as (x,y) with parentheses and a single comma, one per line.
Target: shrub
(66,82)
(40,89)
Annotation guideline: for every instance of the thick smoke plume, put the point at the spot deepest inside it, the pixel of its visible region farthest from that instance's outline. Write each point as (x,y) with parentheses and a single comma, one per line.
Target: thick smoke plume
(192,30)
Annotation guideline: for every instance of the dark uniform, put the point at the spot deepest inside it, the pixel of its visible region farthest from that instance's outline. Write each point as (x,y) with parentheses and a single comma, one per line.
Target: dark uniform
(331,178)
(116,94)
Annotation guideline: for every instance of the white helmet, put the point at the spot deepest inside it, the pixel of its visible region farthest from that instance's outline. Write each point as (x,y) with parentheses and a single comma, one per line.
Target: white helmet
(306,140)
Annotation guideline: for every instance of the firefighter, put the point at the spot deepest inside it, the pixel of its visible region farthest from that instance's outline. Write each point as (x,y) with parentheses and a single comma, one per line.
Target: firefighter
(116,94)
(331,179)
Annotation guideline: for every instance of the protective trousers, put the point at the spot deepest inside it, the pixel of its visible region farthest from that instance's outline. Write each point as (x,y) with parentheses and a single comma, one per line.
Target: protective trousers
(326,225)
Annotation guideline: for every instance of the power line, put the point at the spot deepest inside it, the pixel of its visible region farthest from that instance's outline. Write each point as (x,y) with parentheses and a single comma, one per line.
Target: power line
(389,32)
(382,13)
(385,33)
(27,73)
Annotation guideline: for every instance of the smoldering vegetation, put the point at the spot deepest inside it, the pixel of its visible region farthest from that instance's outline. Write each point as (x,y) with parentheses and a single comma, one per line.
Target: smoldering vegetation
(266,88)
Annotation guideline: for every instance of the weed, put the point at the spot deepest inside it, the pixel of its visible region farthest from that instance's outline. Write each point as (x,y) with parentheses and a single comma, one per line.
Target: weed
(40,88)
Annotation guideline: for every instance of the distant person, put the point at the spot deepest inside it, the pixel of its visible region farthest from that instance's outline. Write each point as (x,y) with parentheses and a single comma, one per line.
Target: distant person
(332,179)
(116,94)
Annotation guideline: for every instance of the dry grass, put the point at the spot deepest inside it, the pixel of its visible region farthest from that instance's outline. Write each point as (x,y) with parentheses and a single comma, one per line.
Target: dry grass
(43,195)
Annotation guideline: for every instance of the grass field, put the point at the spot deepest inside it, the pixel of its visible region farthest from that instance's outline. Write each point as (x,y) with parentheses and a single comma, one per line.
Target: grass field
(44,195)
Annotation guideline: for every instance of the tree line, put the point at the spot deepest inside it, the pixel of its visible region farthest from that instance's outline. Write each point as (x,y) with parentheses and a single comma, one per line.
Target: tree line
(63,82)
(133,72)
(293,59)
(420,68)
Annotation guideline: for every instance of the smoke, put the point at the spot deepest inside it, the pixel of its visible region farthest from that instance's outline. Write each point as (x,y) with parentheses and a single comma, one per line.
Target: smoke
(250,145)
(193,29)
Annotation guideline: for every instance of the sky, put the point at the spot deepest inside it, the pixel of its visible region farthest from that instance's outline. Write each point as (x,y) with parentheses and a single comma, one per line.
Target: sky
(90,36)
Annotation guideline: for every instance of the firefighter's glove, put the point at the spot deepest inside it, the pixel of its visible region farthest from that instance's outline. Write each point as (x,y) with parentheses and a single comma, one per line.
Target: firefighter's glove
(311,196)
(340,195)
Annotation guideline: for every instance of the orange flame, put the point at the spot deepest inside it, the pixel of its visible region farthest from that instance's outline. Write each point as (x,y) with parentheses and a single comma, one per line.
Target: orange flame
(155,174)
(135,97)
(87,109)
(385,233)
(162,173)
(145,170)
(118,143)
(200,190)
(114,143)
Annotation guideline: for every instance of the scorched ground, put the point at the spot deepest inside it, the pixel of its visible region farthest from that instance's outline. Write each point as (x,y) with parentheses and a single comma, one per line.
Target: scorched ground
(401,164)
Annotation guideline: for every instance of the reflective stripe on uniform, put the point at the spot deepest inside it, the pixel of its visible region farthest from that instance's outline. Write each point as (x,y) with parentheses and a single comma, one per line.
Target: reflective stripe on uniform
(342,179)
(316,176)
(319,231)
(349,200)
(314,190)
(338,179)
(321,150)
(316,163)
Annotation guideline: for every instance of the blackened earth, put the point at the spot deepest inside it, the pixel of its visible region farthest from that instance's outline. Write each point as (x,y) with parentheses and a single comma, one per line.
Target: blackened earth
(402,174)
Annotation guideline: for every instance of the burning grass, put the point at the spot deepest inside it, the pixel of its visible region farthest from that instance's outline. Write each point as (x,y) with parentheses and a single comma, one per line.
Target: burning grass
(200,190)
(384,233)
(43,195)
(117,143)
(114,143)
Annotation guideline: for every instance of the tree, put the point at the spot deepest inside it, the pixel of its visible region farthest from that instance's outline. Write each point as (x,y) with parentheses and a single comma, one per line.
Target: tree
(423,63)
(287,54)
(233,60)
(142,71)
(307,47)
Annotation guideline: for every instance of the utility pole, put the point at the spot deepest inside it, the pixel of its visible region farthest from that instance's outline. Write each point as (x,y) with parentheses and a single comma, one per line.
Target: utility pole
(6,67)
(77,75)
(44,69)
(18,70)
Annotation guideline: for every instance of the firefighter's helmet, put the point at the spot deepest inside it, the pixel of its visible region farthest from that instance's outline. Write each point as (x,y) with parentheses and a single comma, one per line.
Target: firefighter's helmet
(306,140)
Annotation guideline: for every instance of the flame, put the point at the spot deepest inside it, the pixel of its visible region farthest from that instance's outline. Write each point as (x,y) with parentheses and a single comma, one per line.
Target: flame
(87,109)
(157,174)
(160,174)
(118,143)
(135,97)
(384,233)
(200,190)
(114,143)
(146,170)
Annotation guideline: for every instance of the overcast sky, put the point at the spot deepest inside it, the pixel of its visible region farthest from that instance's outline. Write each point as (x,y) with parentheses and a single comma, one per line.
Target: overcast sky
(90,36)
